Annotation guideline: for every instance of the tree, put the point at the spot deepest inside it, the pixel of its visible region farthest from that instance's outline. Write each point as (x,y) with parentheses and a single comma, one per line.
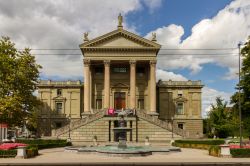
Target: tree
(245,88)
(220,120)
(19,74)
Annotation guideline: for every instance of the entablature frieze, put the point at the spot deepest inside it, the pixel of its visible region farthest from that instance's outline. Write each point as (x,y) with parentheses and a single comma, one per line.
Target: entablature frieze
(121,58)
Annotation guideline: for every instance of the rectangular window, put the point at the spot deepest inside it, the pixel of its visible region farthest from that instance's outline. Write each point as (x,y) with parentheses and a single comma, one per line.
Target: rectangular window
(98,103)
(59,108)
(180,125)
(140,104)
(58,125)
(99,70)
(120,70)
(180,108)
(59,92)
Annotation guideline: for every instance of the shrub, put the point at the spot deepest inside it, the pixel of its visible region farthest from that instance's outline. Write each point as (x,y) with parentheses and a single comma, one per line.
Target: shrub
(45,144)
(214,150)
(8,153)
(240,152)
(206,142)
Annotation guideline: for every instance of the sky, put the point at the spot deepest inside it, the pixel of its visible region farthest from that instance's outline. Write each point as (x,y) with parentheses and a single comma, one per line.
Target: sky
(205,32)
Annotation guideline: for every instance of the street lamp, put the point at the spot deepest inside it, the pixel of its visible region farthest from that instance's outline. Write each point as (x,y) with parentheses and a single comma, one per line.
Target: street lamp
(69,118)
(172,120)
(239,96)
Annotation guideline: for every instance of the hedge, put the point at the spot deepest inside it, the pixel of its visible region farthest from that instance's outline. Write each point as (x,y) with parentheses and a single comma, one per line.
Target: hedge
(45,144)
(240,152)
(197,144)
(206,142)
(8,153)
(214,150)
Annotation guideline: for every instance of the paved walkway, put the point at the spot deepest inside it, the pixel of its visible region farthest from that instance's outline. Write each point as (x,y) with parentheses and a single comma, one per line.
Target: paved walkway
(57,155)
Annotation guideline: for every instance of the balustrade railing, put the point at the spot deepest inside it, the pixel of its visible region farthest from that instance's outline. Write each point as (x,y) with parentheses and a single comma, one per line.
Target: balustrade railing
(163,124)
(78,123)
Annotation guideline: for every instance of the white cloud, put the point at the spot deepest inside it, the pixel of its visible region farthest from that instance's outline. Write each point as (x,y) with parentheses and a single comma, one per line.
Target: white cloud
(60,24)
(152,4)
(208,97)
(166,75)
(225,30)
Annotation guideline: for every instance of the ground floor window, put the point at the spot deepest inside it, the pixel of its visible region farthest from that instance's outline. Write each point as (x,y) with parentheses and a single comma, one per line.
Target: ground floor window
(140,104)
(98,103)
(180,125)
(58,125)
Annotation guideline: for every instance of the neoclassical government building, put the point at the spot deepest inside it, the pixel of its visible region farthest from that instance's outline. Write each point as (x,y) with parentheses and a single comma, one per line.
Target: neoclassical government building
(120,75)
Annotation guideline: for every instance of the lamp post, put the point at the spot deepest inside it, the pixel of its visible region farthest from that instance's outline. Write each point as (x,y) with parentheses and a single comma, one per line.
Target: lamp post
(172,120)
(239,96)
(69,139)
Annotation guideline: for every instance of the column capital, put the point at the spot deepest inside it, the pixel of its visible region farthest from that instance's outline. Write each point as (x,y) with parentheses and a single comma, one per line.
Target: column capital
(132,62)
(86,62)
(106,62)
(152,62)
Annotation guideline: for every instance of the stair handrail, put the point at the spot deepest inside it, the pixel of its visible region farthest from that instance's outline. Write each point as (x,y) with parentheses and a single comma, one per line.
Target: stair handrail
(163,124)
(78,123)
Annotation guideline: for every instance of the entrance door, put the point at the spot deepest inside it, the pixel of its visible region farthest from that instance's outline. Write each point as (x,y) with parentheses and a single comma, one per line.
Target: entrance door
(120,100)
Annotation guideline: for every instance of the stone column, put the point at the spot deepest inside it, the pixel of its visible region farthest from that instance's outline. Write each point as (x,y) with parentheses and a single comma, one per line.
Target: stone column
(152,88)
(106,83)
(132,84)
(86,85)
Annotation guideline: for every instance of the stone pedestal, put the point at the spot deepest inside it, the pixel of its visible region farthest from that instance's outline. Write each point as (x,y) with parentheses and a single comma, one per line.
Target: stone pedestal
(225,151)
(21,152)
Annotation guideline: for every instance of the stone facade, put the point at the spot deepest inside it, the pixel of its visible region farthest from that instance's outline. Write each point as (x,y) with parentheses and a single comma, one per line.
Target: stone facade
(120,73)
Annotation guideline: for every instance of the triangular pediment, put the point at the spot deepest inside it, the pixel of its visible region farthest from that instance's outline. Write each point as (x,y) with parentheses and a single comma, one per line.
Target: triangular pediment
(59,98)
(120,85)
(120,39)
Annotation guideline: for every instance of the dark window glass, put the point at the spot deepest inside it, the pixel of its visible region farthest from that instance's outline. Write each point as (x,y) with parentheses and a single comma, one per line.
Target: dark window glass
(99,70)
(180,125)
(119,69)
(59,92)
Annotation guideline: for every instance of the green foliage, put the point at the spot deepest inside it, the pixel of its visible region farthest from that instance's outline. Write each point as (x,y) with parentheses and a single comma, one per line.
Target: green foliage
(240,152)
(206,142)
(8,153)
(245,89)
(45,144)
(221,121)
(214,150)
(18,77)
(32,151)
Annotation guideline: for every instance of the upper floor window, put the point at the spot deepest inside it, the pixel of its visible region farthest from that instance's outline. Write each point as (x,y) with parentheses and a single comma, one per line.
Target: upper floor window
(180,108)
(140,71)
(59,107)
(120,70)
(59,92)
(99,70)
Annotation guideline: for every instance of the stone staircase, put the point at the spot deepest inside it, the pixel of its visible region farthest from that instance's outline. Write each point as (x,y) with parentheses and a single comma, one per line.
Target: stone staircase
(163,124)
(78,123)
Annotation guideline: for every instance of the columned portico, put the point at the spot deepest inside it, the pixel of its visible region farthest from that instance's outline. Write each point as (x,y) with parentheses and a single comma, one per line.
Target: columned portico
(86,85)
(132,84)
(106,83)
(152,88)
